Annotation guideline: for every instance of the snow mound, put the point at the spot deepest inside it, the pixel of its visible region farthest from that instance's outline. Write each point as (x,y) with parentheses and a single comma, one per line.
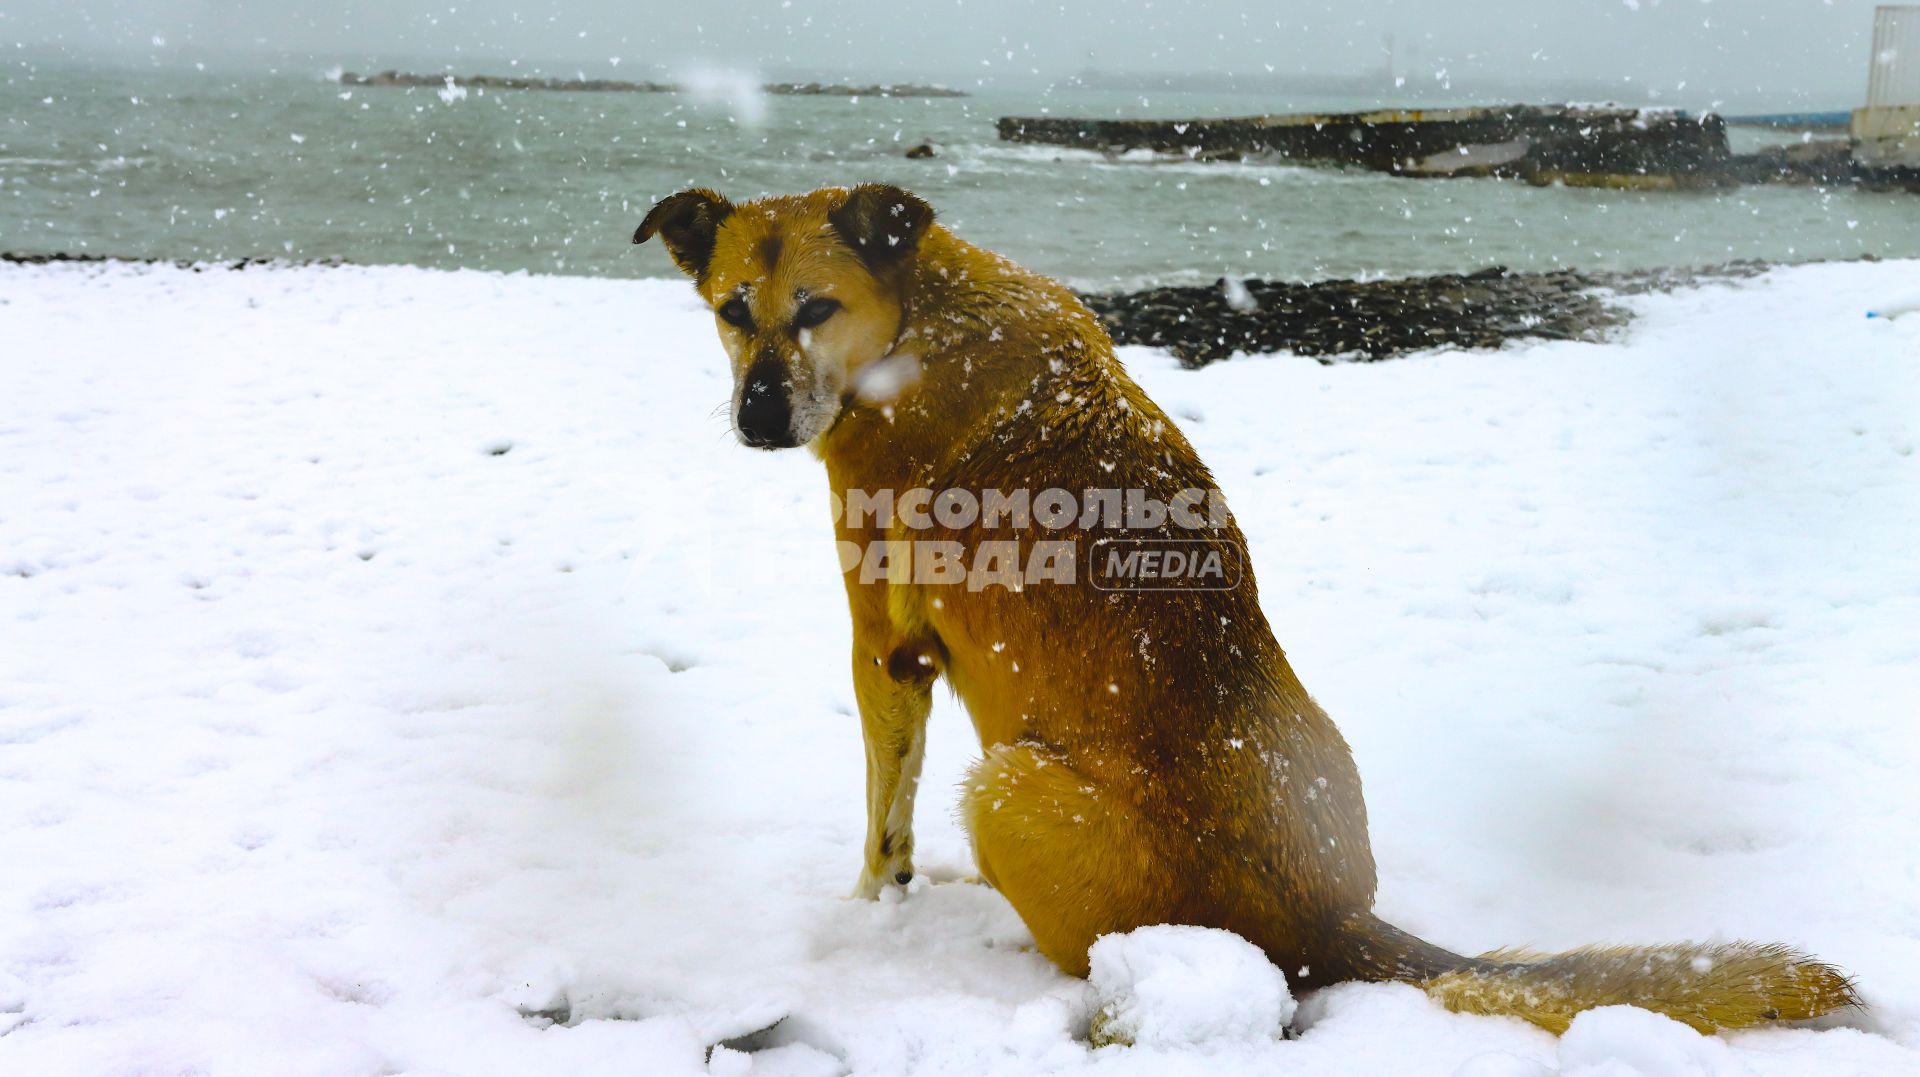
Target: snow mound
(1626,1041)
(1501,1064)
(1169,986)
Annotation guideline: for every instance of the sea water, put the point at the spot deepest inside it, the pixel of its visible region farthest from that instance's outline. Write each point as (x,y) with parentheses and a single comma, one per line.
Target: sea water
(179,162)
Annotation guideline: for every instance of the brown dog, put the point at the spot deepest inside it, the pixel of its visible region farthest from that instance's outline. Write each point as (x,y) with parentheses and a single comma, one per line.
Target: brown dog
(1149,755)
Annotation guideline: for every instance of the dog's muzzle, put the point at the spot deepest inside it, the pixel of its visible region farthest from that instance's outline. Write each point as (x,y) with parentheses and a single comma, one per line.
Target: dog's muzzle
(765,415)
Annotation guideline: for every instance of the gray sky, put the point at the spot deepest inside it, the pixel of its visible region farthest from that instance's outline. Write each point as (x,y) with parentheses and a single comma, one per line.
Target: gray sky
(1795,51)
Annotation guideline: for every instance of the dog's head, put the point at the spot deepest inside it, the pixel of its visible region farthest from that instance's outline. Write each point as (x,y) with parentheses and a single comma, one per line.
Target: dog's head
(806,292)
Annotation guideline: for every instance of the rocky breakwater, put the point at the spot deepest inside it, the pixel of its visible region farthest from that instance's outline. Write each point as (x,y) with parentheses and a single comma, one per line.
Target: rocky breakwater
(578,85)
(1371,320)
(1332,320)
(1590,145)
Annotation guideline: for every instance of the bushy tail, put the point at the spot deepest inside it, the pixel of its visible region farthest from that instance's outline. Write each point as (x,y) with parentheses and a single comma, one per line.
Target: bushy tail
(1709,987)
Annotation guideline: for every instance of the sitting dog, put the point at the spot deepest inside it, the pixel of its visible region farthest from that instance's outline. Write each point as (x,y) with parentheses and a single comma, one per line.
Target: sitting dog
(1148,754)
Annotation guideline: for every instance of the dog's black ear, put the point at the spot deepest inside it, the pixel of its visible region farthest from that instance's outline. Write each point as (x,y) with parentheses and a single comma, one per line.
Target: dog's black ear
(686,223)
(881,222)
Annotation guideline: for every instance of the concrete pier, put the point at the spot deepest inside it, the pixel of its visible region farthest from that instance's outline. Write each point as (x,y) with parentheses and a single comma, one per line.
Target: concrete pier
(1886,146)
(1886,133)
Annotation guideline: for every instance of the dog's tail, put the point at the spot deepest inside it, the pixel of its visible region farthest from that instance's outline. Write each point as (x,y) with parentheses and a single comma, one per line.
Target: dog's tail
(1710,987)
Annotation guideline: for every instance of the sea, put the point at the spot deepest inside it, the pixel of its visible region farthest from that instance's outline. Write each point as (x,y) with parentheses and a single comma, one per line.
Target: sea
(185,161)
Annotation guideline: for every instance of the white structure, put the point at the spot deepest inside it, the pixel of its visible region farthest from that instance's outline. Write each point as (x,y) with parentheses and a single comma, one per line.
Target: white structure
(1886,134)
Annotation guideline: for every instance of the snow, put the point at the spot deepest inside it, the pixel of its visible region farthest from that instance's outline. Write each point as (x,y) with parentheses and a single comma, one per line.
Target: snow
(1622,1041)
(406,672)
(1173,986)
(1237,295)
(883,380)
(737,92)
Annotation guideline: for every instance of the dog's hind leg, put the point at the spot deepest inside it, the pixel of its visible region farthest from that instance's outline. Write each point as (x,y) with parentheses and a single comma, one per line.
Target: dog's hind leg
(894,685)
(1075,863)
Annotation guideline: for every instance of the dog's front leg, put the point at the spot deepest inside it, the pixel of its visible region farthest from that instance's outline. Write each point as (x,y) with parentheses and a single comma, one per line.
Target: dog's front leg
(893,681)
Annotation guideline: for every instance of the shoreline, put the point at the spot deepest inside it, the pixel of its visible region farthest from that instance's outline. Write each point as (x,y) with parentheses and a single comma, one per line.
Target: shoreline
(1335,320)
(1371,320)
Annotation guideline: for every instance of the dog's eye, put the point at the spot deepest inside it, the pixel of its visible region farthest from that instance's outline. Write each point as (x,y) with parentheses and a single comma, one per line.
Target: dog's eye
(735,313)
(815,311)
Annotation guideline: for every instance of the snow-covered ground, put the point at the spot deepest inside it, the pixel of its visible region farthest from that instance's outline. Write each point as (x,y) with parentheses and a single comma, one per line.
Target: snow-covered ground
(405,672)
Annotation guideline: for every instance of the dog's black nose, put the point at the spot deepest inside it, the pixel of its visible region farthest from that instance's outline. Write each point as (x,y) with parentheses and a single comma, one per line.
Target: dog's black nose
(765,420)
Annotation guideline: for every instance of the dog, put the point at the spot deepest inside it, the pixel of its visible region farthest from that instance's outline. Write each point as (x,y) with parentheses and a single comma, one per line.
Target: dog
(1148,755)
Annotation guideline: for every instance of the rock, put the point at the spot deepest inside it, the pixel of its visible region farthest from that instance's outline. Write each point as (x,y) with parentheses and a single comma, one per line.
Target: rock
(33,258)
(1371,320)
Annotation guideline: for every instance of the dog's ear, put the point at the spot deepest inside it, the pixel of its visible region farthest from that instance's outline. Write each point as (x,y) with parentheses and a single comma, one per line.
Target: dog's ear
(686,223)
(881,222)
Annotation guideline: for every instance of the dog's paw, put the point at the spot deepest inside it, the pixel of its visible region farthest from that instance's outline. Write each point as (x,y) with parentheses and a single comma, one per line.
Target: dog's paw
(872,884)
